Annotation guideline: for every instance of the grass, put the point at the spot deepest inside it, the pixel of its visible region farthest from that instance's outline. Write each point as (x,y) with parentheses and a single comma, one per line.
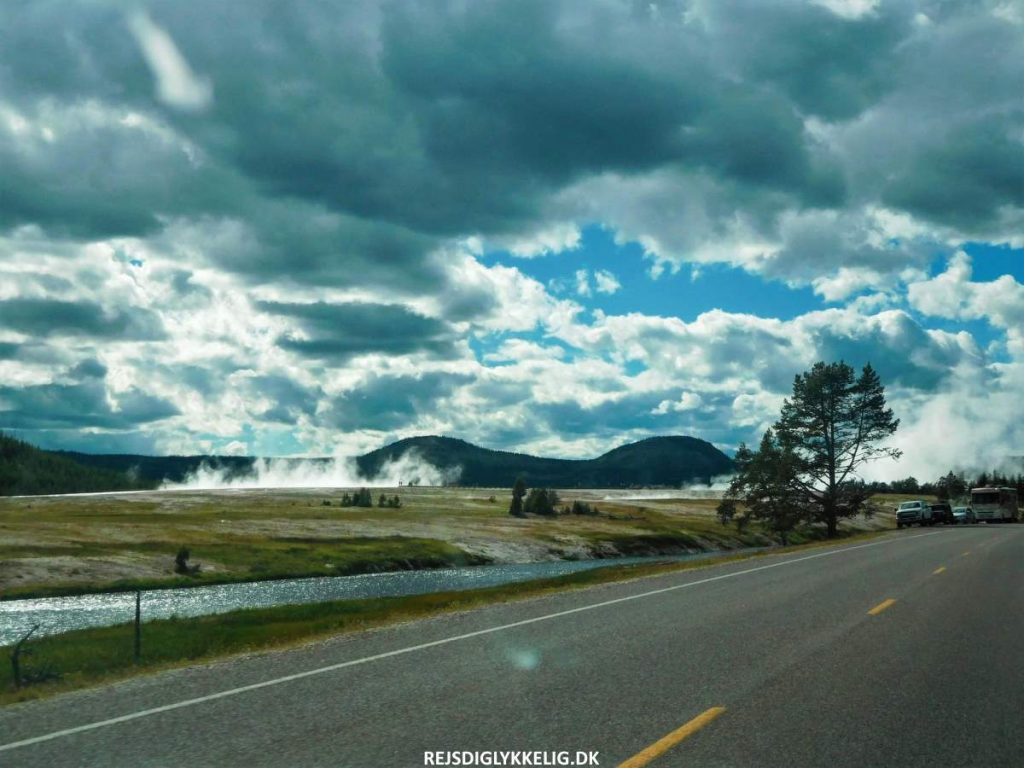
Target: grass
(94,656)
(71,545)
(281,558)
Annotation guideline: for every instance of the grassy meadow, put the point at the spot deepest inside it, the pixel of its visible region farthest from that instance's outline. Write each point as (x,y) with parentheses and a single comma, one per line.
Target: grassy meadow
(69,544)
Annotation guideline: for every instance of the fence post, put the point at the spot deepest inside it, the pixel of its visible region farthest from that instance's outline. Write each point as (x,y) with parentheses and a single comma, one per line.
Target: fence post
(138,625)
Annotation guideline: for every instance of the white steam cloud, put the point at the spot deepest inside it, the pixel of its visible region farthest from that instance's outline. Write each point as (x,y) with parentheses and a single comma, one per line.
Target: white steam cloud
(408,469)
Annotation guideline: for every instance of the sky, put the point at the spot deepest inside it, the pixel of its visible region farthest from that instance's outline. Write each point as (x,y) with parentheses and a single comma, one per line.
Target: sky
(312,228)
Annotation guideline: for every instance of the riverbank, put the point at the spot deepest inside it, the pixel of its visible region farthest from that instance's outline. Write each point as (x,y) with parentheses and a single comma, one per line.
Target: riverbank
(80,544)
(90,657)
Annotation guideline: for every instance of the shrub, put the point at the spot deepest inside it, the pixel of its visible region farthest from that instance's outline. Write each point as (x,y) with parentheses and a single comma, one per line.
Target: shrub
(540,501)
(583,508)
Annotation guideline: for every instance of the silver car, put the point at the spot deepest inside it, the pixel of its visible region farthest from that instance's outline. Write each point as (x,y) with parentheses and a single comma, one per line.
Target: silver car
(963,516)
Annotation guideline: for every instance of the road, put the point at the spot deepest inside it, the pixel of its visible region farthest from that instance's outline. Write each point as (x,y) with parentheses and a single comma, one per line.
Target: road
(907,650)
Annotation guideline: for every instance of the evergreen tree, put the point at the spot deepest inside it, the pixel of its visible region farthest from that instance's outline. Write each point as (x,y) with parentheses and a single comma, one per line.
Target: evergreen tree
(767,482)
(518,492)
(830,427)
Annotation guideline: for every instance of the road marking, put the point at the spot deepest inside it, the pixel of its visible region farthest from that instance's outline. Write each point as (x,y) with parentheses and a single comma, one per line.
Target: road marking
(881,606)
(938,570)
(433,643)
(965,554)
(665,743)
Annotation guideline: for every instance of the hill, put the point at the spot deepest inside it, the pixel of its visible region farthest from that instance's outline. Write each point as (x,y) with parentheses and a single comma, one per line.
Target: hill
(657,461)
(26,470)
(662,461)
(151,471)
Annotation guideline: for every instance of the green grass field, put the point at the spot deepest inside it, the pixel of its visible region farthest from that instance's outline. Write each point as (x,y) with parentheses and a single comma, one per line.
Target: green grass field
(65,545)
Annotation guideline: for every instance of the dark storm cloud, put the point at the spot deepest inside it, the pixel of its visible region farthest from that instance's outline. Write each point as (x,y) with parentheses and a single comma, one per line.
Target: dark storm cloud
(967,179)
(309,245)
(78,405)
(341,331)
(392,402)
(439,118)
(902,352)
(350,139)
(48,317)
(829,66)
(290,400)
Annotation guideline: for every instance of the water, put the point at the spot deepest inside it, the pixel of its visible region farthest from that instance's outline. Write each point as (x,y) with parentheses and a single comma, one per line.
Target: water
(63,614)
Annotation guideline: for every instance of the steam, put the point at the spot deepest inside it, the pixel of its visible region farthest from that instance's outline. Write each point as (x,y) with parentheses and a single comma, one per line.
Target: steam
(714,489)
(408,469)
(972,425)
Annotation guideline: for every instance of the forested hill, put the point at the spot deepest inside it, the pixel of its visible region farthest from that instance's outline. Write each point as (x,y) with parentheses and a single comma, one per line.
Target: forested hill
(662,461)
(26,470)
(154,470)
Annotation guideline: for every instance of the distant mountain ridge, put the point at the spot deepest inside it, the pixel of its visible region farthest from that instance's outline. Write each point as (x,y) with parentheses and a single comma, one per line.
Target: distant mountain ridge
(662,461)
(656,461)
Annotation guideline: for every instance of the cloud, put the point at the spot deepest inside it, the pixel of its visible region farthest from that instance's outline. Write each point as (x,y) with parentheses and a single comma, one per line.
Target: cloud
(342,331)
(346,243)
(85,404)
(176,84)
(53,317)
(954,295)
(582,282)
(606,282)
(387,403)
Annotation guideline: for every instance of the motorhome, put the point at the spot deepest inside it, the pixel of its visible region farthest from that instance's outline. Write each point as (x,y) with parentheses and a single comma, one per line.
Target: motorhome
(995,505)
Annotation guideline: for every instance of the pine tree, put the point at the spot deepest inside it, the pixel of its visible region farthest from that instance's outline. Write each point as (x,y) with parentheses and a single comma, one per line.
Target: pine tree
(831,426)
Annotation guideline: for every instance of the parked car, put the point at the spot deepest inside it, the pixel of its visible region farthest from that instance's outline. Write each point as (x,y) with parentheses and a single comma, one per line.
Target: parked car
(963,516)
(915,512)
(942,513)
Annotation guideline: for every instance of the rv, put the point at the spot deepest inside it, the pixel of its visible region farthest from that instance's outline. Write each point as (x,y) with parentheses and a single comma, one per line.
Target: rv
(994,505)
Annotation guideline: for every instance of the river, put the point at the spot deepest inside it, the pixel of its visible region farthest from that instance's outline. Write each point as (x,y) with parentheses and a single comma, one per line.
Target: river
(63,614)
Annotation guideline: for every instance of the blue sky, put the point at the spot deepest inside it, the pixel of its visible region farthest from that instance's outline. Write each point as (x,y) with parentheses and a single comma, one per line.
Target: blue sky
(541,225)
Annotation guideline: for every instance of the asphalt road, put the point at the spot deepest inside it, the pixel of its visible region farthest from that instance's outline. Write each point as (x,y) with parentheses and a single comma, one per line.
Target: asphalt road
(906,651)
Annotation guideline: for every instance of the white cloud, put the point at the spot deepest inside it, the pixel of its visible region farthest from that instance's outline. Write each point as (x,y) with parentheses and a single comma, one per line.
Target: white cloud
(606,282)
(556,238)
(849,9)
(176,84)
(583,282)
(687,401)
(954,295)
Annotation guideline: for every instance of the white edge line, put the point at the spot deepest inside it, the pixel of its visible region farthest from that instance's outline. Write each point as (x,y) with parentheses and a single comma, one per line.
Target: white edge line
(431,644)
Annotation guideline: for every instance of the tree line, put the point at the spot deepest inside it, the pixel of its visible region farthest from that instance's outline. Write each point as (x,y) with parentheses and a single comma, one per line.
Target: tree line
(953,485)
(27,471)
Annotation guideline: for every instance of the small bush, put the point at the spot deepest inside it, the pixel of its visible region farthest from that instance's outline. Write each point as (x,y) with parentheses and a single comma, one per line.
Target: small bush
(583,508)
(181,563)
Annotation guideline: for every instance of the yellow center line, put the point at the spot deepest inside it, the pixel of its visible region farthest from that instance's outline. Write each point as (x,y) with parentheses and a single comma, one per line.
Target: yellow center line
(881,607)
(938,570)
(965,554)
(665,743)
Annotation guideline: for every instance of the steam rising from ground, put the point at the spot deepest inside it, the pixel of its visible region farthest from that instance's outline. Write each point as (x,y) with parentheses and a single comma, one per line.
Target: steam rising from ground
(409,468)
(974,424)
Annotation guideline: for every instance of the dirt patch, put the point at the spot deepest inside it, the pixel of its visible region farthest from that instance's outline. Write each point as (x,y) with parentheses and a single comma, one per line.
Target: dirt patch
(18,572)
